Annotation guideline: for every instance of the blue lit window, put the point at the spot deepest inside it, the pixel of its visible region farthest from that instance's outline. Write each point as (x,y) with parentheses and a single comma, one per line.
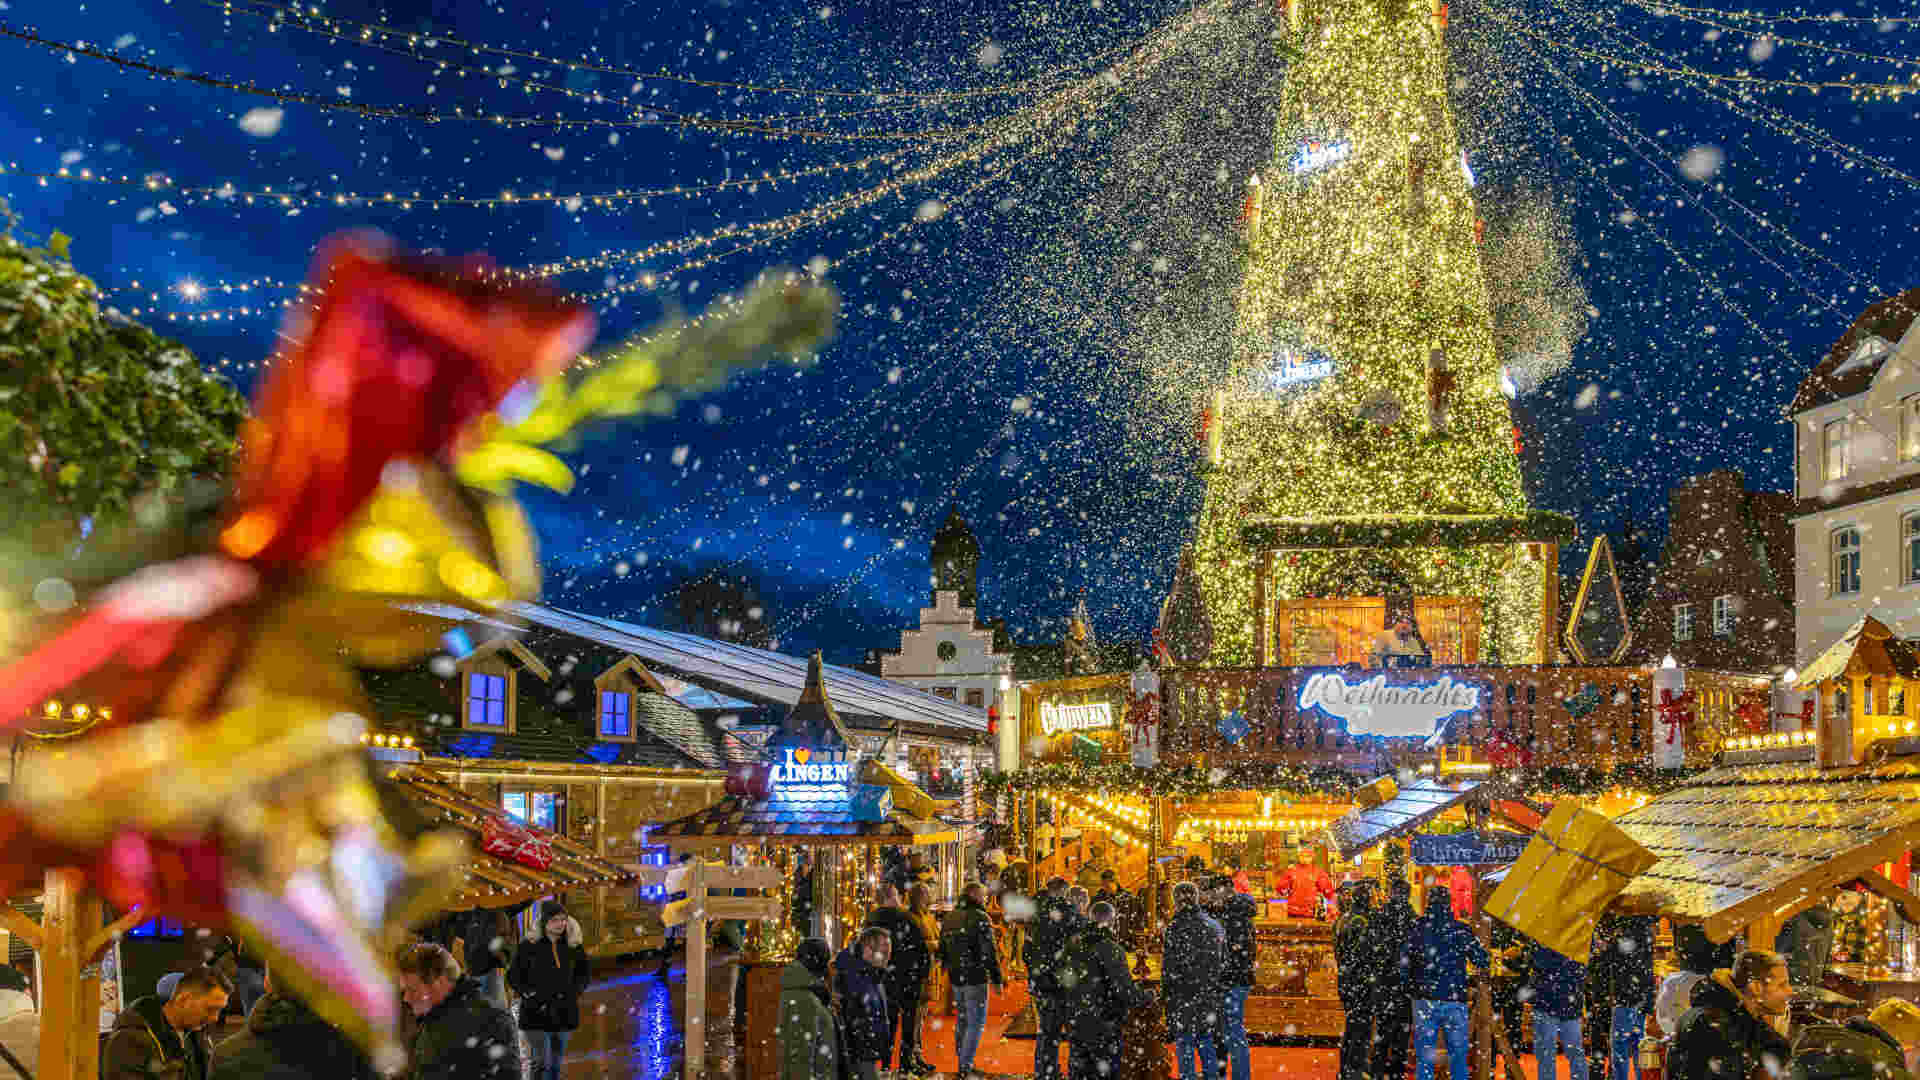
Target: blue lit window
(486,700)
(614,722)
(158,928)
(654,856)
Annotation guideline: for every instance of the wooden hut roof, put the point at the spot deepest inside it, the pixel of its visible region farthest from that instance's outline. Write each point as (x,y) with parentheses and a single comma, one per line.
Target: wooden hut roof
(1867,648)
(1415,805)
(492,881)
(811,815)
(1751,841)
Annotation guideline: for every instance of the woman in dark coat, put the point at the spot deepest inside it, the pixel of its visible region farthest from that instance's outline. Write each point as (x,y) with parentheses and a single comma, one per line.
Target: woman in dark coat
(550,973)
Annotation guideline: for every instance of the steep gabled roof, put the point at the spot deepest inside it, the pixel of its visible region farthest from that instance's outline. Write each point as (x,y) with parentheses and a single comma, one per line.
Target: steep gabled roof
(1838,376)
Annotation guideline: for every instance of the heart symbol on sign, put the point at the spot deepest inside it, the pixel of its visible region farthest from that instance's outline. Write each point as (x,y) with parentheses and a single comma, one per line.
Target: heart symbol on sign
(801,755)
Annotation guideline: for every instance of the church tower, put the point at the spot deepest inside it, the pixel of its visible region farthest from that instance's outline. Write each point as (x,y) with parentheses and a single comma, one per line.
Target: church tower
(956,560)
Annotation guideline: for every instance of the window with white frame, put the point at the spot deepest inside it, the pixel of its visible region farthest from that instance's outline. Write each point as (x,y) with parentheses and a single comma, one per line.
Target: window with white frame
(1910,428)
(1910,545)
(1845,545)
(615,719)
(486,700)
(1724,614)
(1833,450)
(1683,622)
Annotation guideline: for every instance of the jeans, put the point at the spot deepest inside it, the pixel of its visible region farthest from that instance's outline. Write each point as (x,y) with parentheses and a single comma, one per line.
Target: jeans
(1052,1036)
(547,1048)
(1629,1024)
(1549,1029)
(1188,1047)
(1233,1033)
(1432,1021)
(970,1002)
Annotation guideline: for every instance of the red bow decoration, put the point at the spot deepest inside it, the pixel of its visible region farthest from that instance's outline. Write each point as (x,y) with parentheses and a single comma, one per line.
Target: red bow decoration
(509,840)
(1505,753)
(1805,715)
(1676,712)
(1752,712)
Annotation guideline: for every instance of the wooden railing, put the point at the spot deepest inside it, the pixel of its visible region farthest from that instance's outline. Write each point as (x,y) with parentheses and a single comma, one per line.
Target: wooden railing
(1525,706)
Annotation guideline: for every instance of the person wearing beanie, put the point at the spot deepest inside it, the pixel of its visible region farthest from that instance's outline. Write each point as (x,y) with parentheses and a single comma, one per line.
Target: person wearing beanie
(806,1029)
(1880,1046)
(550,973)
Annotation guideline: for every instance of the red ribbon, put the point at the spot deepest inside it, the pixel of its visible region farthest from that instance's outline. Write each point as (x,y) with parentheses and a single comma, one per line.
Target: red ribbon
(1676,711)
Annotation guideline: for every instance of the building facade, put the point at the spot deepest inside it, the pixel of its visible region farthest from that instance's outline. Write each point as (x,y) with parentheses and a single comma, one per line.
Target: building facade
(1856,512)
(1721,596)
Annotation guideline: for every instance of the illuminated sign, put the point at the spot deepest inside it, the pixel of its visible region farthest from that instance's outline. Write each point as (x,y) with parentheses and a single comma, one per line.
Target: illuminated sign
(1055,719)
(1292,364)
(798,767)
(1315,155)
(1395,712)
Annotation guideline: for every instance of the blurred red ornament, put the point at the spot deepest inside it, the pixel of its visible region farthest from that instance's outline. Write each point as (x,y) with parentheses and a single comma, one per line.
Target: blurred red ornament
(750,781)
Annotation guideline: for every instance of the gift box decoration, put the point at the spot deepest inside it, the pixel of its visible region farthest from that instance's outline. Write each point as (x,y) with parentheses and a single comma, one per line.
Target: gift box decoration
(1087,750)
(1380,791)
(502,837)
(1570,871)
(872,802)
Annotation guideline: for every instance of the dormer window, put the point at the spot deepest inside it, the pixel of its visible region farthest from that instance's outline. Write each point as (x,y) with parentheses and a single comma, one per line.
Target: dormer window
(486,700)
(490,684)
(616,721)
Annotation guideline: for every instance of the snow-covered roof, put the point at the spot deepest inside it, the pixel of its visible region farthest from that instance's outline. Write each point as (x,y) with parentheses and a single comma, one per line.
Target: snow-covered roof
(1849,367)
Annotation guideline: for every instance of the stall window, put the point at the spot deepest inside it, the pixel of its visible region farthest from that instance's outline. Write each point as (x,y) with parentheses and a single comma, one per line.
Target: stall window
(615,723)
(944,691)
(546,809)
(159,928)
(486,700)
(1846,561)
(1683,622)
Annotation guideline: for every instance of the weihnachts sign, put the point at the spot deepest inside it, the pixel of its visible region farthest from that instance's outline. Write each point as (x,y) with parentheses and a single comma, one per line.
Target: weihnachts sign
(1394,710)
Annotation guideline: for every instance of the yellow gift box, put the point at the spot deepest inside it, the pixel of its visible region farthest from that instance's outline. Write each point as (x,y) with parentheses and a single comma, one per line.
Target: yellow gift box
(1570,871)
(1380,791)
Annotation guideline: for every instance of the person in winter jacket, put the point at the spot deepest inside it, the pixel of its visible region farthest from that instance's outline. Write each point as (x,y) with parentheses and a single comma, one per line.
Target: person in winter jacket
(1235,913)
(859,985)
(1510,951)
(1442,948)
(549,973)
(1193,956)
(1098,993)
(286,1040)
(1558,985)
(1699,958)
(1392,929)
(1623,962)
(1354,962)
(972,960)
(1849,928)
(458,1034)
(19,1023)
(483,942)
(807,1030)
(1304,885)
(1879,1046)
(906,975)
(1729,1032)
(1054,921)
(1806,941)
(156,1040)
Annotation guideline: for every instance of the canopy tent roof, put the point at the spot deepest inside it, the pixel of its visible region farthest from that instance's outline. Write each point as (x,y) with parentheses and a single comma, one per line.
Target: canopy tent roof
(1407,530)
(740,671)
(1747,842)
(1867,648)
(1414,805)
(492,881)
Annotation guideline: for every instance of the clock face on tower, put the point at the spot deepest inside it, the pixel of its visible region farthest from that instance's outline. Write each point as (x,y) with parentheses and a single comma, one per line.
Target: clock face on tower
(946,650)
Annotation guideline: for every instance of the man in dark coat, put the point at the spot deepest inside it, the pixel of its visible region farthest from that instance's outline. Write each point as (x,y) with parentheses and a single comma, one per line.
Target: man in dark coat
(550,972)
(1879,1046)
(1392,928)
(859,985)
(1728,1033)
(906,976)
(460,1035)
(1193,958)
(286,1040)
(1097,994)
(156,1040)
(1441,950)
(1234,912)
(1354,960)
(1054,921)
(1623,963)
(1806,942)
(973,962)
(1558,985)
(483,940)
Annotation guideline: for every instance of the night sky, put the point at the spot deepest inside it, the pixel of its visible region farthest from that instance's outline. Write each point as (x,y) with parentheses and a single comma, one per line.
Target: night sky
(1006,349)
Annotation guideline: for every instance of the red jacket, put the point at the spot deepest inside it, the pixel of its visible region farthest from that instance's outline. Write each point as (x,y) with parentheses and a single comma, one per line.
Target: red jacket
(1303,884)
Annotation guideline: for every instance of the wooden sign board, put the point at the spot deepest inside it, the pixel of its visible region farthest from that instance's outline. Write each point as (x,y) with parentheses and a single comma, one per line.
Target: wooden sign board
(722,907)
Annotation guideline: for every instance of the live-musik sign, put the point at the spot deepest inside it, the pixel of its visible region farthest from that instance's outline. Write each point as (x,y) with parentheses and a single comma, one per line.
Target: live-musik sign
(1374,707)
(1055,719)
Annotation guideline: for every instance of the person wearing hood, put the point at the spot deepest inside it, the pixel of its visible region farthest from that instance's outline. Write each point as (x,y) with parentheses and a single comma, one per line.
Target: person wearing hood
(19,1023)
(859,984)
(458,1033)
(1234,912)
(550,973)
(1392,931)
(1730,1030)
(1442,948)
(286,1040)
(806,1029)
(153,1039)
(1880,1046)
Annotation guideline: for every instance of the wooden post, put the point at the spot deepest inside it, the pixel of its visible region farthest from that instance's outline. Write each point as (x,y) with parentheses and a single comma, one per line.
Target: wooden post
(1482,1020)
(69,1017)
(697,970)
(1262,617)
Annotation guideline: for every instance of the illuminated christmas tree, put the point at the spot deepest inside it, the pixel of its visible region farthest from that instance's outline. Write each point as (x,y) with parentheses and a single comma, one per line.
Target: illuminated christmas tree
(1363,450)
